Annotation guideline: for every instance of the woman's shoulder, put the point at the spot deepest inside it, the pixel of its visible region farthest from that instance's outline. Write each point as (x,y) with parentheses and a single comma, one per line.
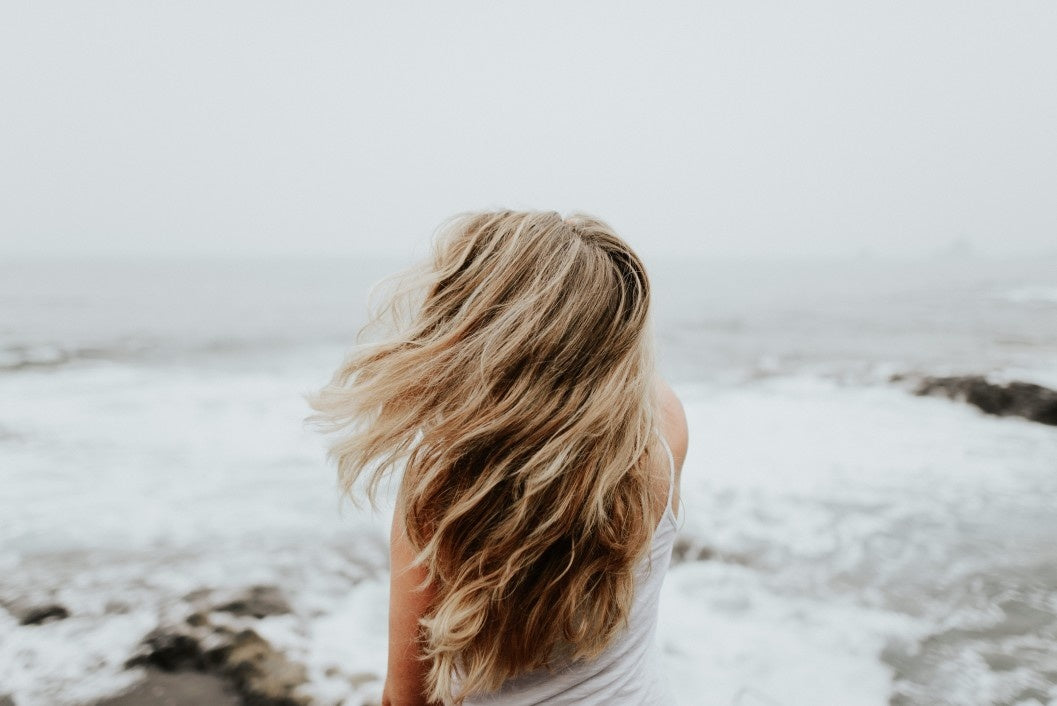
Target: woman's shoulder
(673,422)
(673,428)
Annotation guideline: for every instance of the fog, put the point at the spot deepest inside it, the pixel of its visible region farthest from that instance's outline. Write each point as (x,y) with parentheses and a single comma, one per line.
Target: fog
(704,129)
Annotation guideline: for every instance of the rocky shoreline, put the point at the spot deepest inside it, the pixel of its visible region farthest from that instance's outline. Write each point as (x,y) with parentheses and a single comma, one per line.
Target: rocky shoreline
(1013,399)
(205,650)
(213,643)
(222,646)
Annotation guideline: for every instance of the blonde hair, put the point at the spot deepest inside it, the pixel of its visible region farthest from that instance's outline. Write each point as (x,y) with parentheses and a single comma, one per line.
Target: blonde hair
(517,391)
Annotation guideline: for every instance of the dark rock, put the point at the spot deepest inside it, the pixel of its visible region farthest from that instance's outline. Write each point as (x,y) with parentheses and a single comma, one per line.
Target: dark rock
(686,549)
(1018,399)
(261,671)
(258,601)
(254,669)
(7,700)
(255,601)
(169,650)
(40,613)
(198,595)
(197,619)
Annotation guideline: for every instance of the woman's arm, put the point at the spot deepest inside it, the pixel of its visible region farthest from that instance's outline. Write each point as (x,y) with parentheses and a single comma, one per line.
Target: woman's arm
(405,679)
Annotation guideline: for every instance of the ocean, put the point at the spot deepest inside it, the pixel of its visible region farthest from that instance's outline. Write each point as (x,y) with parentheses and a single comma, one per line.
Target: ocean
(843,541)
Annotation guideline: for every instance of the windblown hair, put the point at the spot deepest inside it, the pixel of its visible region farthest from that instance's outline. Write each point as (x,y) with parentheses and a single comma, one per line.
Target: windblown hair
(517,393)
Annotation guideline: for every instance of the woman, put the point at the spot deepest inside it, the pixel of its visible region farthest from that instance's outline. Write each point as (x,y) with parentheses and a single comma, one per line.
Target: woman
(535,515)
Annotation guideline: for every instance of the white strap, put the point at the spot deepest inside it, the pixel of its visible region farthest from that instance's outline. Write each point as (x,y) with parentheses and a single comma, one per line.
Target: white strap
(671,470)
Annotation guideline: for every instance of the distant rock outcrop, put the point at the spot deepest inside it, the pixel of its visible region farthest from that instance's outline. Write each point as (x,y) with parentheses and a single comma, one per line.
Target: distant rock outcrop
(1017,399)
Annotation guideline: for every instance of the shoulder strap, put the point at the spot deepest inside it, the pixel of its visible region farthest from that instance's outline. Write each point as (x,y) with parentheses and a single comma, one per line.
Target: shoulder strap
(671,469)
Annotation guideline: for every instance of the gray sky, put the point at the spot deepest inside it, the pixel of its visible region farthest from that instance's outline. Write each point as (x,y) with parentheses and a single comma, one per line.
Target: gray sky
(733,128)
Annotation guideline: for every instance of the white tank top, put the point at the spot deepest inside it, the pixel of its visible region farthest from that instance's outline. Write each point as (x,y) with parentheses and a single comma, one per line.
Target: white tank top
(627,672)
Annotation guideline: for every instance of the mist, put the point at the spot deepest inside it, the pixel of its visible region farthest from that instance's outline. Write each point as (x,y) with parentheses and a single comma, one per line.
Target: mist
(697,130)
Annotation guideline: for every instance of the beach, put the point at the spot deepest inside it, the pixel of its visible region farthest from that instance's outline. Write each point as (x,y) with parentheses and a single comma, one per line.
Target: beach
(843,540)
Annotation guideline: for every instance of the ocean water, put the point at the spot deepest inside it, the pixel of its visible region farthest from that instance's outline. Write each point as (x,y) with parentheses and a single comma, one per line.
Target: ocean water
(843,541)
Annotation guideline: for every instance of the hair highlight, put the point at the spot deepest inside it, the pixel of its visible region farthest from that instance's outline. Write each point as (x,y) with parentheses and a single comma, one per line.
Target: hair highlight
(514,385)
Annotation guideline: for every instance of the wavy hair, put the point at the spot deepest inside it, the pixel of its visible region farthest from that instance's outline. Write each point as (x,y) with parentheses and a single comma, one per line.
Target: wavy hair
(515,388)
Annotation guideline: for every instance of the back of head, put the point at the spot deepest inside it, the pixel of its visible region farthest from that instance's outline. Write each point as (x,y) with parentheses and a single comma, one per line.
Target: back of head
(519,398)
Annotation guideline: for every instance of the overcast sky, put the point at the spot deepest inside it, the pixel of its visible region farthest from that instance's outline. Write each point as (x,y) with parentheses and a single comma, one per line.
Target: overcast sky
(705,128)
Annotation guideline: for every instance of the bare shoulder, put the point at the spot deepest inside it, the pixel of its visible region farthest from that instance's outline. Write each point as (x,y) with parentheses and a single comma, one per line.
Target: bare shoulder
(673,422)
(673,428)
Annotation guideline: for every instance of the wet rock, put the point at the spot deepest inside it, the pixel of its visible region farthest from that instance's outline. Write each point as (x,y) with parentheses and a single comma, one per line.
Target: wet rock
(37,613)
(261,671)
(198,595)
(258,601)
(197,619)
(253,668)
(686,549)
(1018,399)
(171,650)
(255,601)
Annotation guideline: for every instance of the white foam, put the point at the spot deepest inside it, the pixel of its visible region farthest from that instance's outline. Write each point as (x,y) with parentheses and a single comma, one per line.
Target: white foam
(727,639)
(824,504)
(836,515)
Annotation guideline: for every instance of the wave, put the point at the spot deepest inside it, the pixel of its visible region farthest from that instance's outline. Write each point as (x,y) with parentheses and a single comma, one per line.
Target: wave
(16,357)
(13,358)
(20,357)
